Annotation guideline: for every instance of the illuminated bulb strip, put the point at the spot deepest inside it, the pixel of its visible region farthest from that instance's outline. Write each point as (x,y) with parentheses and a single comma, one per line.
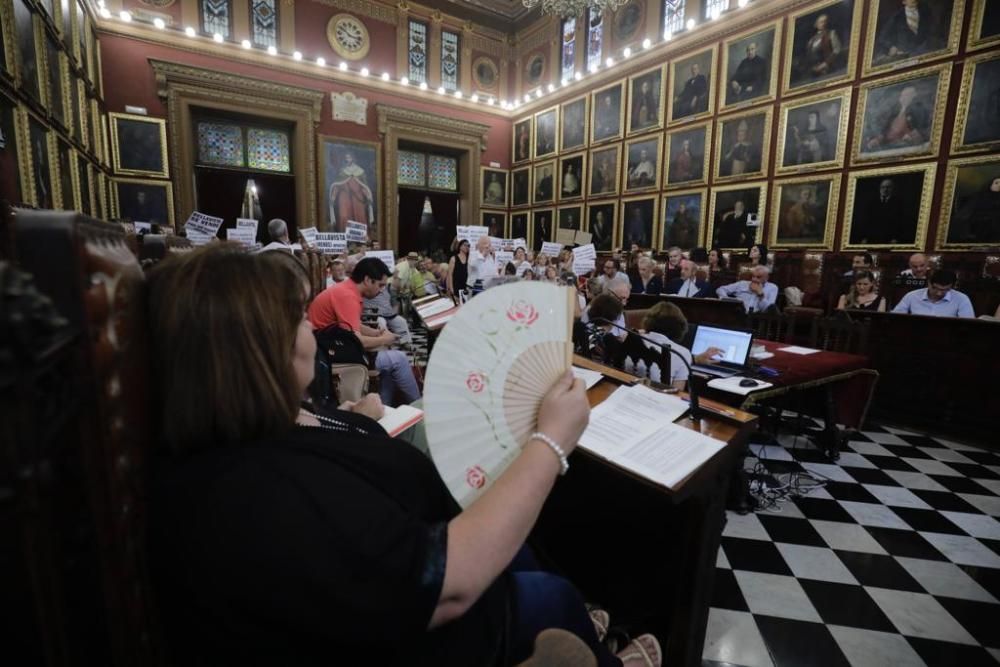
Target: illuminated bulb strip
(246,44)
(364,71)
(423,85)
(159,23)
(272,50)
(385,76)
(405,81)
(321,61)
(691,24)
(125,16)
(105,13)
(297,55)
(190,32)
(646,43)
(627,52)
(343,66)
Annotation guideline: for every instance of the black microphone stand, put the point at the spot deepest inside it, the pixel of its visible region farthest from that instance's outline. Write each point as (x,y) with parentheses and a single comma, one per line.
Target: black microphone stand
(695,410)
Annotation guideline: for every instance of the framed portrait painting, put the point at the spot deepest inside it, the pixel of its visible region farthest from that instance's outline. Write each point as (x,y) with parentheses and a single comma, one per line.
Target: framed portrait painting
(985,29)
(57,77)
(607,114)
(687,156)
(812,132)
(13,157)
(67,196)
(970,216)
(642,163)
(888,208)
(520,186)
(139,145)
(542,230)
(742,143)
(638,215)
(84,185)
(7,50)
(143,200)
(519,226)
(544,179)
(902,116)
(750,67)
(494,187)
(571,174)
(571,218)
(522,140)
(823,43)
(683,215)
(908,32)
(546,133)
(350,180)
(804,212)
(42,173)
(645,101)
(605,165)
(495,222)
(28,66)
(977,121)
(573,124)
(735,215)
(692,79)
(601,219)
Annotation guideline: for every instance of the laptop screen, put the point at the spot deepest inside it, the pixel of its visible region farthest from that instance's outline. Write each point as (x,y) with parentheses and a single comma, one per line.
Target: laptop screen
(735,345)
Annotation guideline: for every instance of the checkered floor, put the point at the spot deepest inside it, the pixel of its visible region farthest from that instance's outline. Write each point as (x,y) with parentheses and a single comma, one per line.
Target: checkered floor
(895,560)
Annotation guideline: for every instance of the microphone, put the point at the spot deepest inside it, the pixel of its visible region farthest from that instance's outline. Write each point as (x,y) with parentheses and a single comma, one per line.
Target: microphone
(695,411)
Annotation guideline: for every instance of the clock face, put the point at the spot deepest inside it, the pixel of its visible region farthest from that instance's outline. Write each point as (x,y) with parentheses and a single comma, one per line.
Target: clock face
(348,36)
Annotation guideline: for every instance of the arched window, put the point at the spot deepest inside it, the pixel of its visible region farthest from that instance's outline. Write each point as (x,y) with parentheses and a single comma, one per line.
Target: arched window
(595,38)
(264,23)
(568,48)
(216,17)
(417,70)
(450,60)
(714,8)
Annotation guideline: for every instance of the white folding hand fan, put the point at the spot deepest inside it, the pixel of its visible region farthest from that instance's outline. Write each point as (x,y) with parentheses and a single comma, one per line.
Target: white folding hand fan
(488,372)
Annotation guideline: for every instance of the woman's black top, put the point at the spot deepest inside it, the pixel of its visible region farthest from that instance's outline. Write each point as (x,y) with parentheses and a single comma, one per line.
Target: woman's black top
(874,305)
(460,276)
(313,548)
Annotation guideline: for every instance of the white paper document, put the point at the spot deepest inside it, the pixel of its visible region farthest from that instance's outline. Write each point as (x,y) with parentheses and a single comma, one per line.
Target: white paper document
(434,307)
(589,377)
(795,349)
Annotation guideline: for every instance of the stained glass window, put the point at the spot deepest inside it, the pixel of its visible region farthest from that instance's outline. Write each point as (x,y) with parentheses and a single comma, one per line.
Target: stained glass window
(220,144)
(418,52)
(267,149)
(595,38)
(264,22)
(673,16)
(215,17)
(449,60)
(412,169)
(442,172)
(568,48)
(714,8)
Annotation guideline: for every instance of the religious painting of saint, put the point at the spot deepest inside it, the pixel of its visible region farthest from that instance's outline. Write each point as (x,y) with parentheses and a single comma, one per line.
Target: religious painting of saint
(571,217)
(571,171)
(742,145)
(971,205)
(351,183)
(687,156)
(978,118)
(573,124)
(733,209)
(692,86)
(645,102)
(642,164)
(139,145)
(813,132)
(683,219)
(520,193)
(545,183)
(546,132)
(749,64)
(601,218)
(806,211)
(494,187)
(906,32)
(628,22)
(541,227)
(495,221)
(822,42)
(522,140)
(605,165)
(519,226)
(607,114)
(888,208)
(985,24)
(145,201)
(901,116)
(638,216)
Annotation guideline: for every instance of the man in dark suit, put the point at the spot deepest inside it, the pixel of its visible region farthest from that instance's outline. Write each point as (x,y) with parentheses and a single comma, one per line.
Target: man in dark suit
(750,79)
(600,230)
(543,189)
(693,98)
(731,230)
(912,30)
(688,284)
(883,218)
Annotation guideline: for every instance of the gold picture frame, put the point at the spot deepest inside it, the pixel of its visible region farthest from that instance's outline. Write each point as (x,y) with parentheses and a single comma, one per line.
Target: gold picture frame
(596,161)
(596,237)
(852,206)
(523,132)
(866,92)
(578,207)
(783,163)
(966,104)
(601,130)
(509,232)
(540,152)
(725,77)
(976,40)
(81,100)
(488,215)
(670,169)
(19,124)
(368,157)
(487,201)
(848,46)
(630,176)
(694,58)
(156,130)
(69,193)
(572,158)
(748,119)
(584,123)
(481,84)
(166,186)
(7,36)
(659,102)
(666,205)
(951,35)
(30,168)
(723,197)
(548,195)
(967,208)
(782,226)
(85,185)
(626,233)
(528,192)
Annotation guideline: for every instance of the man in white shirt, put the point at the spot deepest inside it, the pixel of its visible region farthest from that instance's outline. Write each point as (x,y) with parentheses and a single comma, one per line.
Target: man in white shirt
(611,272)
(938,299)
(482,263)
(757,294)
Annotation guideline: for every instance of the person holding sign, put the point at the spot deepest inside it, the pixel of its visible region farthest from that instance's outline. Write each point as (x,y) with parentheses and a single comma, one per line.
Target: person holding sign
(482,264)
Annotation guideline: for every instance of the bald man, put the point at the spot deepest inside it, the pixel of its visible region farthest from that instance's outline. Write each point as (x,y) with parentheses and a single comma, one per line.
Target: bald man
(920,267)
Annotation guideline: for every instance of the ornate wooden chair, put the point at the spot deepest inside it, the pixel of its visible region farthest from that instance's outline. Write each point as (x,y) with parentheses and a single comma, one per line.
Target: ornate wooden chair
(772,325)
(840,333)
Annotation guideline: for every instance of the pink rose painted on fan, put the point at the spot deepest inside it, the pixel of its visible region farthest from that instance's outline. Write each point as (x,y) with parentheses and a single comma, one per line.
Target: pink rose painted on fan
(475,477)
(476,382)
(522,313)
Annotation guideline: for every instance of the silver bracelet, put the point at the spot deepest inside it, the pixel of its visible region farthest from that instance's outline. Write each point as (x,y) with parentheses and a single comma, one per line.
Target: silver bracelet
(554,446)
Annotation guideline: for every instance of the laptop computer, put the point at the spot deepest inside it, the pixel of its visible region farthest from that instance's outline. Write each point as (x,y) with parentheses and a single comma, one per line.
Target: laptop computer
(734,343)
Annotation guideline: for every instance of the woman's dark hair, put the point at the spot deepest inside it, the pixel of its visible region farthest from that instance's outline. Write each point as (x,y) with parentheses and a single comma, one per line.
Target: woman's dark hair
(699,255)
(605,306)
(509,269)
(296,265)
(763,251)
(222,325)
(722,258)
(666,318)
(458,247)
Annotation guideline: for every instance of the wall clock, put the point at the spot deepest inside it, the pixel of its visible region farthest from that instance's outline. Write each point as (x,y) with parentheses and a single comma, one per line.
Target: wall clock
(348,36)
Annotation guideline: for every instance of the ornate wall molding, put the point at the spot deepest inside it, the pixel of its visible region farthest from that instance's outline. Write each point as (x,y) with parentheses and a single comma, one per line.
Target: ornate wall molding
(430,124)
(372,10)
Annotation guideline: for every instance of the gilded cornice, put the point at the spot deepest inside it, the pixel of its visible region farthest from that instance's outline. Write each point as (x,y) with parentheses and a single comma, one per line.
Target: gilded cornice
(429,125)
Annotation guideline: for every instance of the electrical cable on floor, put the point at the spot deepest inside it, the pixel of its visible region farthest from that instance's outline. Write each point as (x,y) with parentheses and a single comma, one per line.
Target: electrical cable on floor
(799,483)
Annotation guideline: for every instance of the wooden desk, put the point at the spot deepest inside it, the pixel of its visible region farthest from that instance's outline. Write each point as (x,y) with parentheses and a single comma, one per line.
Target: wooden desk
(644,552)
(715,312)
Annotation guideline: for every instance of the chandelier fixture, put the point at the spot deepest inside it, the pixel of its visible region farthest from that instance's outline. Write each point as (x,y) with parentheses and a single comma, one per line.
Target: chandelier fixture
(572,8)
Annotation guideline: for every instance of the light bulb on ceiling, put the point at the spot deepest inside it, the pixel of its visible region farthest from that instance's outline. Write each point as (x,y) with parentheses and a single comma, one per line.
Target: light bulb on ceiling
(716,13)
(423,85)
(627,52)
(646,43)
(458,94)
(527,98)
(385,76)
(218,38)
(105,13)
(474,98)
(594,68)
(189,31)
(364,71)
(441,90)
(538,93)
(343,66)
(609,62)
(552,87)
(124,16)
(405,81)
(742,3)
(490,101)
(159,23)
(667,35)
(578,75)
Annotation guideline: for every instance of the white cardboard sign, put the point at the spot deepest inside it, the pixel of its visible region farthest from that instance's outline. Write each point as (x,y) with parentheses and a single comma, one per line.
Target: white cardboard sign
(247,223)
(309,235)
(551,249)
(387,256)
(357,232)
(201,228)
(331,243)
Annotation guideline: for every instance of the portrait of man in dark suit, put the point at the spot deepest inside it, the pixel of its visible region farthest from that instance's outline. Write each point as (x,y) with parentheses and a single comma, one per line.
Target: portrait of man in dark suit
(732,213)
(520,180)
(682,221)
(607,113)
(692,85)
(574,124)
(569,218)
(887,209)
(909,28)
(545,133)
(742,145)
(604,171)
(644,105)
(140,202)
(600,224)
(519,226)
(975,209)
(543,183)
(990,25)
(749,63)
(542,224)
(982,125)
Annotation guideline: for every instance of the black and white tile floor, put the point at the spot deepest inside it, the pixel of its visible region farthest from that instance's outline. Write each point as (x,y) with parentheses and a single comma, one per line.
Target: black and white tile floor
(895,560)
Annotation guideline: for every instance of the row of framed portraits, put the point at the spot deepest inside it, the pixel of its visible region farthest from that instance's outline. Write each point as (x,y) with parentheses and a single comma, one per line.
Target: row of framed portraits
(897,118)
(883,208)
(822,43)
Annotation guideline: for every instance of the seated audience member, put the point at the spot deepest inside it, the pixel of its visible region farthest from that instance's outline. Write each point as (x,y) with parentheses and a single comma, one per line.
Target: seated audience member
(862,295)
(509,270)
(757,254)
(672,269)
(645,282)
(551,273)
(612,271)
(716,262)
(757,294)
(541,263)
(665,324)
(688,284)
(594,287)
(938,299)
(428,280)
(402,275)
(920,267)
(340,305)
(565,260)
(382,305)
(483,263)
(618,289)
(355,553)
(277,229)
(604,308)
(338,272)
(861,262)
